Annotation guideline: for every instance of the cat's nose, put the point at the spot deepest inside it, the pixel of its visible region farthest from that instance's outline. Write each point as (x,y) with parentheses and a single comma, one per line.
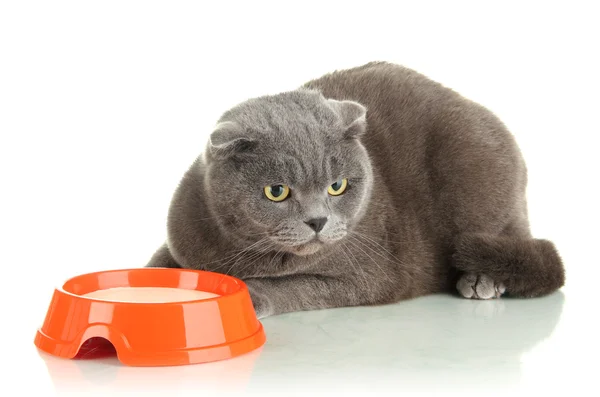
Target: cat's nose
(316,224)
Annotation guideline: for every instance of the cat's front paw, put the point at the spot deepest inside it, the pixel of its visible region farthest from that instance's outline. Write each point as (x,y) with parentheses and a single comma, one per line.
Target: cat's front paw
(262,304)
(473,286)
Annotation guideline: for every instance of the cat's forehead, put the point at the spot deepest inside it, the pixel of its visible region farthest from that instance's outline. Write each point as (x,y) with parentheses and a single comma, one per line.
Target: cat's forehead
(294,115)
(304,164)
(298,137)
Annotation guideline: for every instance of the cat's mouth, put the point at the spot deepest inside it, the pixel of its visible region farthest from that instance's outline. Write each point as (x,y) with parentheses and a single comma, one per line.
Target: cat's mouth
(310,246)
(306,245)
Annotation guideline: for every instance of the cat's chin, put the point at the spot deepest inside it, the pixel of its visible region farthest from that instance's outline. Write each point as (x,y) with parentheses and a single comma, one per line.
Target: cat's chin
(309,248)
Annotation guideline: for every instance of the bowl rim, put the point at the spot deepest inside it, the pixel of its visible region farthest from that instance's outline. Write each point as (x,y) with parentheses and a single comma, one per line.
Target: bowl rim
(241,290)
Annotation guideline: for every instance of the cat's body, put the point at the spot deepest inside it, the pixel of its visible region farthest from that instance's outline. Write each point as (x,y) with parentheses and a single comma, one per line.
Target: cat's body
(435,197)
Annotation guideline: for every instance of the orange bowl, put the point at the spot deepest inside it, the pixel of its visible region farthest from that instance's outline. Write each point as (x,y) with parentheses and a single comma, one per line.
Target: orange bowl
(153,334)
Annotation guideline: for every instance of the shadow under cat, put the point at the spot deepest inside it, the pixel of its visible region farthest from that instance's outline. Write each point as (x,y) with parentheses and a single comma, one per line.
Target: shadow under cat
(432,343)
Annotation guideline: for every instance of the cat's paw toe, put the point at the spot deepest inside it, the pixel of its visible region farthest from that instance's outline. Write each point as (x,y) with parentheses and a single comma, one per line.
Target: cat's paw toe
(475,286)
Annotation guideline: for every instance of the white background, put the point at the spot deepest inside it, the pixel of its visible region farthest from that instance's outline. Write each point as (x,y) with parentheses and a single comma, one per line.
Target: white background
(103,105)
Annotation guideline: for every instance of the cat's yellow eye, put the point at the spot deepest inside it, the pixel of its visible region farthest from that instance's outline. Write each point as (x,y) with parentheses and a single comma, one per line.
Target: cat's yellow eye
(277,193)
(338,188)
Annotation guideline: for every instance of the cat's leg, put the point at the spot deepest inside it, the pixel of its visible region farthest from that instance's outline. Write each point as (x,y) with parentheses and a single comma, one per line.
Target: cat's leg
(518,265)
(277,295)
(162,258)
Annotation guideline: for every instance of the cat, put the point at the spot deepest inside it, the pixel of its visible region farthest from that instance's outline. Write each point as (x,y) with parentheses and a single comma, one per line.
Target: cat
(366,186)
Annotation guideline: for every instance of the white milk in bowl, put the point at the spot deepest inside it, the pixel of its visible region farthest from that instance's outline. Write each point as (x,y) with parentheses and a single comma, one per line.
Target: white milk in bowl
(149,294)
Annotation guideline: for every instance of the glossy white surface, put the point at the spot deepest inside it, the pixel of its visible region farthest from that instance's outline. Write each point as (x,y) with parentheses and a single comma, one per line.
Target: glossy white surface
(426,345)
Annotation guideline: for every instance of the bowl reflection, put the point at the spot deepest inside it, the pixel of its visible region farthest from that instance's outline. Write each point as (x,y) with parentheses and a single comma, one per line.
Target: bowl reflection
(102,373)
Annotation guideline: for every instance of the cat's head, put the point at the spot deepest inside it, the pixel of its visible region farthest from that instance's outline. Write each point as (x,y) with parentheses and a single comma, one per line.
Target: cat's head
(289,170)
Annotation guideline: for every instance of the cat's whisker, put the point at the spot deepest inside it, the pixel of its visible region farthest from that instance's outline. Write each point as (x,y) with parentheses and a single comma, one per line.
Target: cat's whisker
(255,260)
(252,253)
(250,261)
(224,261)
(385,240)
(397,261)
(364,236)
(260,243)
(359,230)
(253,234)
(350,240)
(275,256)
(357,268)
(232,254)
(365,242)
(404,269)
(415,269)
(262,246)
(257,244)
(250,258)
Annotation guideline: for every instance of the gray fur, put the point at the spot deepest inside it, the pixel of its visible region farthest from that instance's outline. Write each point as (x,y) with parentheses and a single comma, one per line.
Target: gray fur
(436,186)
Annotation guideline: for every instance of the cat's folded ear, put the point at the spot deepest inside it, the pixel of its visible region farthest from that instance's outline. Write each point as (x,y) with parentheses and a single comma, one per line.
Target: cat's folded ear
(228,139)
(353,116)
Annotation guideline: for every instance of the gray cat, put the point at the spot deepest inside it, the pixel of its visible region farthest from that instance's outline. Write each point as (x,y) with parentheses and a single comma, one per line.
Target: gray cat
(366,186)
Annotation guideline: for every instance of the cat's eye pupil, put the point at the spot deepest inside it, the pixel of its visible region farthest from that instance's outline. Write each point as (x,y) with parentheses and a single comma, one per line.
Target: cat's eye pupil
(277,190)
(336,186)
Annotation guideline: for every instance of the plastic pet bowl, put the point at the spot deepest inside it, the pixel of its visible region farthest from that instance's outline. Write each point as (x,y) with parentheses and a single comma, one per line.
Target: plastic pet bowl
(153,334)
